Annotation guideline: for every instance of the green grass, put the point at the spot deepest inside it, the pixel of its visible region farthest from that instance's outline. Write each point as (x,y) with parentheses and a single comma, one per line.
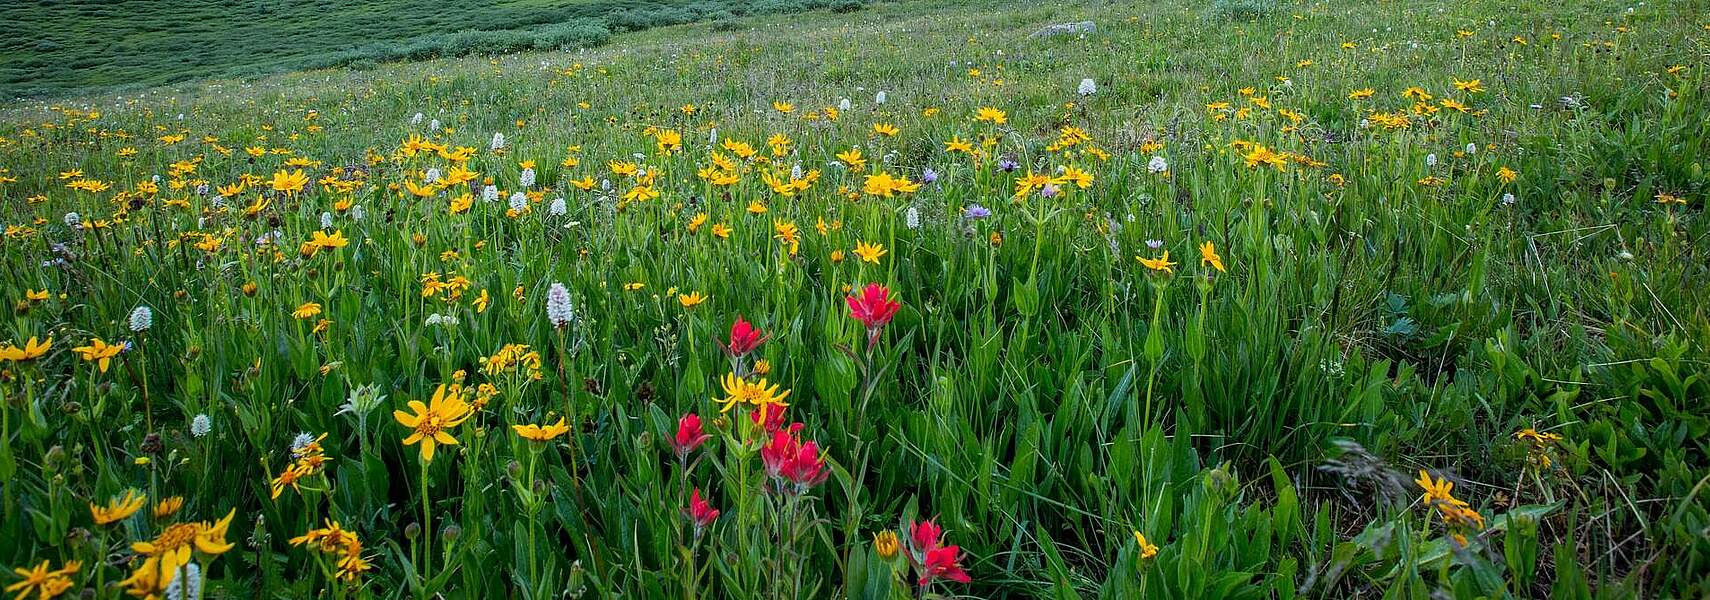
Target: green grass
(1041,393)
(56,48)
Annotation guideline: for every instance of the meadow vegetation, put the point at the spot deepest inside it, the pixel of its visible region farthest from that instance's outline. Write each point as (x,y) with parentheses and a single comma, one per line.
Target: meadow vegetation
(1224,300)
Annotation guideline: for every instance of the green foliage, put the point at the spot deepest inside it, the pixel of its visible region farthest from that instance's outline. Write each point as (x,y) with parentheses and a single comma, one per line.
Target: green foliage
(1264,422)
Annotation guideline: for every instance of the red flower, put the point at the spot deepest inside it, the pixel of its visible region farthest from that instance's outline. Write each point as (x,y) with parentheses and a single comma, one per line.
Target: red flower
(788,459)
(936,561)
(744,338)
(689,436)
(944,563)
(873,308)
(924,535)
(774,420)
(807,468)
(700,512)
(779,451)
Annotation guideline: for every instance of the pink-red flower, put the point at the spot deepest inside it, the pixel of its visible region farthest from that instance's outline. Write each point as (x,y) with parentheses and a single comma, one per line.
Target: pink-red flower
(700,512)
(935,559)
(744,338)
(689,436)
(788,459)
(874,308)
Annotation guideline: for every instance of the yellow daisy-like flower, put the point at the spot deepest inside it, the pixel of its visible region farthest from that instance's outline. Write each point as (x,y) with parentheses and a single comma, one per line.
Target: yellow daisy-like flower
(170,551)
(1208,256)
(306,310)
(1147,549)
(118,509)
(1161,264)
(541,433)
(99,352)
(757,393)
(870,253)
(430,421)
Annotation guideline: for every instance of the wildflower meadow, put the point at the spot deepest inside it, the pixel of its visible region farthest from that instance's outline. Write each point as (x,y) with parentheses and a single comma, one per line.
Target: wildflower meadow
(917,299)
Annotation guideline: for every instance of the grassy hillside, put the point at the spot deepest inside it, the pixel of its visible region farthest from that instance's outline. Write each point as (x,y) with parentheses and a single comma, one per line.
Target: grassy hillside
(1296,299)
(56,47)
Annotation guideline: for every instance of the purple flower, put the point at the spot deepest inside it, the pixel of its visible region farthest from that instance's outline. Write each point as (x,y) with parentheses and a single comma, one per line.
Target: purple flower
(1154,244)
(928,176)
(1049,191)
(975,211)
(1008,164)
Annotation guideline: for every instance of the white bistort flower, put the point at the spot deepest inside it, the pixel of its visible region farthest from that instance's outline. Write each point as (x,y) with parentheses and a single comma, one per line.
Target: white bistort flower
(557,208)
(558,305)
(498,142)
(1087,88)
(201,425)
(142,318)
(1157,165)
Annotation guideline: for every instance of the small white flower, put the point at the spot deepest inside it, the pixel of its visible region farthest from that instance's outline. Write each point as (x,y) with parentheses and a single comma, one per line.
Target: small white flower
(417,120)
(73,220)
(498,142)
(527,178)
(558,305)
(490,193)
(519,202)
(357,213)
(186,583)
(1472,148)
(141,319)
(712,137)
(879,98)
(796,171)
(1431,160)
(1508,199)
(1088,88)
(201,425)
(326,220)
(433,125)
(1157,165)
(557,208)
(911,218)
(431,176)
(843,104)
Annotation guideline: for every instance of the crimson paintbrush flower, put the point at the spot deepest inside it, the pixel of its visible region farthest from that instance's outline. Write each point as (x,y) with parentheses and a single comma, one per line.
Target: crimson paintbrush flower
(689,436)
(744,338)
(788,459)
(944,562)
(700,512)
(874,308)
(935,559)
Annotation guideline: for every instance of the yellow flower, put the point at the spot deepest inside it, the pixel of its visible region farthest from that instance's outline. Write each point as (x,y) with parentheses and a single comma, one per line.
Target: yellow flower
(44,582)
(170,551)
(784,107)
(429,423)
(885,129)
(168,507)
(1161,263)
(991,115)
(886,544)
(99,352)
(538,433)
(1507,175)
(1147,550)
(1440,490)
(118,509)
(740,391)
(1472,87)
(329,242)
(289,182)
(690,300)
(1208,256)
(31,350)
(306,310)
(869,252)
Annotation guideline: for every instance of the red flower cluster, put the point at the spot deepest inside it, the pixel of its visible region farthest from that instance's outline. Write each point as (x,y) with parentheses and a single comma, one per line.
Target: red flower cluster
(787,458)
(874,308)
(935,560)
(689,436)
(700,512)
(744,338)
